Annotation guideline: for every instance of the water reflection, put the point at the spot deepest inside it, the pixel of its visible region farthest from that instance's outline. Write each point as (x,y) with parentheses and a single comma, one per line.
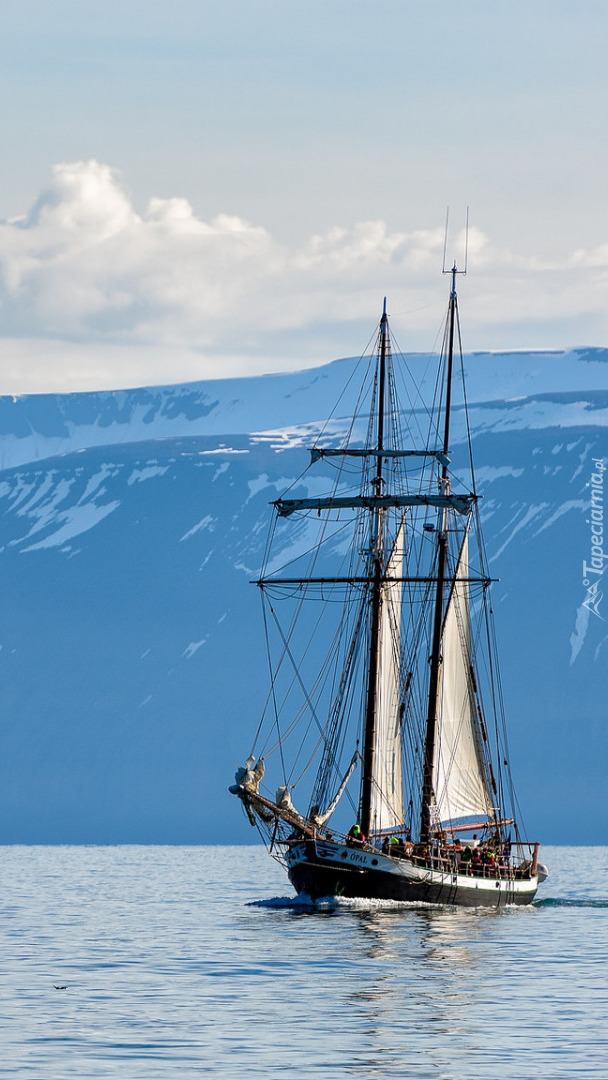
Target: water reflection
(171,971)
(420,976)
(440,992)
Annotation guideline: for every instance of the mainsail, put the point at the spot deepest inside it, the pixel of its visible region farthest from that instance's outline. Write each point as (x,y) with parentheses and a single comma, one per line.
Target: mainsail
(459,780)
(387,786)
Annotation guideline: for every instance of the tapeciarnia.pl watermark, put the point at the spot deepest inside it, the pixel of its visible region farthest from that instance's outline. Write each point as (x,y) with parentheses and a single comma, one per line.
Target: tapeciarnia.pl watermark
(593,570)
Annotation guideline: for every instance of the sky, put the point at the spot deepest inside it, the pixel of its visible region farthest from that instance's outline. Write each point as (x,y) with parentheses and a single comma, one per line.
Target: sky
(195,190)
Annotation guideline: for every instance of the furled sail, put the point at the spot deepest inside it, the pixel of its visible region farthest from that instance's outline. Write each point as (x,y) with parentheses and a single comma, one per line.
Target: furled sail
(319,819)
(387,787)
(459,781)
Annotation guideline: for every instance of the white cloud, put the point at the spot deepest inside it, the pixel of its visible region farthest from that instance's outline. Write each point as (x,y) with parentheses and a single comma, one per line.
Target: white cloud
(94,294)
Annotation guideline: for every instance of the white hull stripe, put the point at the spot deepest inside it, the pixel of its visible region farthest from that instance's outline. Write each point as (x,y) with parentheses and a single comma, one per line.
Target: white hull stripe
(355,858)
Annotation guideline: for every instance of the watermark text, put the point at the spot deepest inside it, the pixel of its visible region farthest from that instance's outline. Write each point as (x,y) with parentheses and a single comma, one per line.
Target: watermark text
(594,569)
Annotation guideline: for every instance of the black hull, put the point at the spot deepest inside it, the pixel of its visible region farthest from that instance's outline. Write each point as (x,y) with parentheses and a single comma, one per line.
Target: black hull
(318,880)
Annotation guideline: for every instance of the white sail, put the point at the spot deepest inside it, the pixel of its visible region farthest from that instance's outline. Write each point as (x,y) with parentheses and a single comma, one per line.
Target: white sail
(458,776)
(387,787)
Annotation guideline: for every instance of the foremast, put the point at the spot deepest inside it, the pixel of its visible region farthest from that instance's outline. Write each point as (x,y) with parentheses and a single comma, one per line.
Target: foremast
(376,555)
(378,502)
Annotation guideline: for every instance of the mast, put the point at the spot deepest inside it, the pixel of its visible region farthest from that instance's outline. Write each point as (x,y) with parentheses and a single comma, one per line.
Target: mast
(376,555)
(442,551)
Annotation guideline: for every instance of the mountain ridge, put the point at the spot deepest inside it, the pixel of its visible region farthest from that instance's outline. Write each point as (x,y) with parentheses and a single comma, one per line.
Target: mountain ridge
(38,426)
(132,667)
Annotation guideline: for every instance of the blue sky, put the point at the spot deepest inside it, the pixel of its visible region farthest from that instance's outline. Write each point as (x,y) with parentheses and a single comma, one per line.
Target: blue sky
(197,189)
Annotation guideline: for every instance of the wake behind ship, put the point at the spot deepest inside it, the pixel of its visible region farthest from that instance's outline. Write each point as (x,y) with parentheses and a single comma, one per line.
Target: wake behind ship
(384,727)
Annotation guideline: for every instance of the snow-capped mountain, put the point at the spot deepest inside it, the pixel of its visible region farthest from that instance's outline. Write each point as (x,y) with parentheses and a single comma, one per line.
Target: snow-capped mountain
(132,666)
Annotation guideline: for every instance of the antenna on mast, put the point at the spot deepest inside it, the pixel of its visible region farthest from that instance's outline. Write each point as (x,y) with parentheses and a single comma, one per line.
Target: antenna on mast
(453,269)
(445,239)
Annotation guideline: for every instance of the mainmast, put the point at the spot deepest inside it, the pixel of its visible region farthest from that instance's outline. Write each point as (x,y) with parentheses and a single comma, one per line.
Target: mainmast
(377,571)
(442,551)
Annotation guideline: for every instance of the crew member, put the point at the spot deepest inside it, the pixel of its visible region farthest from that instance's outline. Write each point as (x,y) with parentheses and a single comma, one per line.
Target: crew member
(355,836)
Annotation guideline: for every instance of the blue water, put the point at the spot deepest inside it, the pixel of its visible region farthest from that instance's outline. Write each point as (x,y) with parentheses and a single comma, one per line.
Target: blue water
(194,962)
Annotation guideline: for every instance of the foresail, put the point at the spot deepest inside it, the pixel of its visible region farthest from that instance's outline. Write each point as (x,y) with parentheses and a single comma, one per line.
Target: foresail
(387,787)
(459,781)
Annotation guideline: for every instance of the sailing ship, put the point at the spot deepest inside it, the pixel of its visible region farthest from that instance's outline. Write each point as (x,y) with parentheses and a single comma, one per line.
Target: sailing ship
(384,724)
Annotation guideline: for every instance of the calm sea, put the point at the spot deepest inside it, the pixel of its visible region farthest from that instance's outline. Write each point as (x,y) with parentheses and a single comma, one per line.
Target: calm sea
(155,962)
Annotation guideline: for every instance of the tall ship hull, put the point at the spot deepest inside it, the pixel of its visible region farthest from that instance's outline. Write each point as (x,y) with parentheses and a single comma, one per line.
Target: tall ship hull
(319,869)
(384,726)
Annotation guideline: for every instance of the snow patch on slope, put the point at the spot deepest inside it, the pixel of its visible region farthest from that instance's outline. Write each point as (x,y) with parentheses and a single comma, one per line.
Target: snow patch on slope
(207,523)
(146,473)
(75,522)
(46,506)
(192,648)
